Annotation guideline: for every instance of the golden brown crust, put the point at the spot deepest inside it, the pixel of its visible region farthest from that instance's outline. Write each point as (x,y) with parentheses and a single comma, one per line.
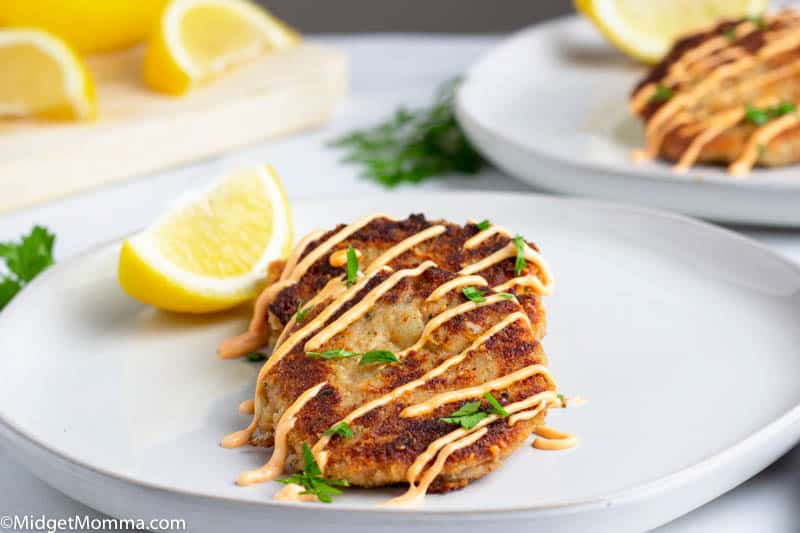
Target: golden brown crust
(385,444)
(735,92)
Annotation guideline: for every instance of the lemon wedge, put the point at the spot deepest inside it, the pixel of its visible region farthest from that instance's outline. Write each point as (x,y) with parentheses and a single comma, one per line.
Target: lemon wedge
(210,251)
(646,30)
(197,40)
(42,76)
(88,25)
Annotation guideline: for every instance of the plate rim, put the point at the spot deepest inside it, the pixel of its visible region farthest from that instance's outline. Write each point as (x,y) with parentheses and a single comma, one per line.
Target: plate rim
(640,492)
(762,183)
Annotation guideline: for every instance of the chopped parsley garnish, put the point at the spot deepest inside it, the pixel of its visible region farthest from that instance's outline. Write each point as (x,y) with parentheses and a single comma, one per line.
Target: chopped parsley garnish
(372,356)
(332,354)
(473,294)
(255,357)
(760,116)
(352,266)
(341,428)
(301,313)
(520,264)
(414,144)
(312,481)
(662,94)
(758,20)
(483,225)
(24,261)
(506,295)
(378,356)
(497,409)
(469,414)
(562,399)
(730,34)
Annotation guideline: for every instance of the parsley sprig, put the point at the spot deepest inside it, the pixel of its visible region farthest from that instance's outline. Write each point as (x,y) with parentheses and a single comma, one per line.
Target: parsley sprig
(372,356)
(520,264)
(469,414)
(414,144)
(352,266)
(484,224)
(474,294)
(341,428)
(662,94)
(300,315)
(24,260)
(760,116)
(312,480)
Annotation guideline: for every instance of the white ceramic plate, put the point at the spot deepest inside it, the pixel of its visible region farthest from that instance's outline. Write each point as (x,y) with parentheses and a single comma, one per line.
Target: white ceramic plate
(549,106)
(683,338)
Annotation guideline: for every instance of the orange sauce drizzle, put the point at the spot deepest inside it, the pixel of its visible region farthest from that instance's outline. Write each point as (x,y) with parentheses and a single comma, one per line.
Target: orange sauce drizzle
(703,62)
(338,294)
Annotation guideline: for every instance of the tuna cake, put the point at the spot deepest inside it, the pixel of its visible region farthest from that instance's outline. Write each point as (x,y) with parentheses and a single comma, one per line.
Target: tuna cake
(405,351)
(726,95)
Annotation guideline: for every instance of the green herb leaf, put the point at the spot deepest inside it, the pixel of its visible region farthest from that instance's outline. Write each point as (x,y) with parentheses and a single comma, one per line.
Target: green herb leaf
(342,429)
(520,263)
(758,20)
(760,116)
(662,94)
(483,225)
(300,315)
(730,34)
(473,294)
(506,295)
(24,261)
(497,409)
(352,266)
(562,399)
(8,289)
(333,354)
(413,145)
(255,357)
(312,481)
(467,416)
(378,356)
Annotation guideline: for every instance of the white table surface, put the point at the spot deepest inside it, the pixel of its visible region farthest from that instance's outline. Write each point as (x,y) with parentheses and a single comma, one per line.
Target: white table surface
(387,71)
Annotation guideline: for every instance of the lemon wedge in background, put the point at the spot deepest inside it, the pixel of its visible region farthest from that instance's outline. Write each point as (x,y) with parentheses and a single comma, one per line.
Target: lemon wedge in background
(42,76)
(210,251)
(197,40)
(88,25)
(646,30)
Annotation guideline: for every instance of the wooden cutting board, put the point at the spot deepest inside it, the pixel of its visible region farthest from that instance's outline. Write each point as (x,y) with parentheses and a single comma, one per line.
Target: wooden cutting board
(140,131)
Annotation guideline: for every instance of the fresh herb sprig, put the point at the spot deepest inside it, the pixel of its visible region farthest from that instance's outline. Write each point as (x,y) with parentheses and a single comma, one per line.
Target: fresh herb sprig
(372,356)
(300,315)
(414,144)
(520,264)
(312,480)
(255,357)
(341,428)
(760,116)
(352,266)
(484,224)
(24,260)
(469,414)
(474,294)
(662,94)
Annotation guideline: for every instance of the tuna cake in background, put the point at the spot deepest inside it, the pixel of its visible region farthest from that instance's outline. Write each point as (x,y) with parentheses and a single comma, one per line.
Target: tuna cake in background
(726,95)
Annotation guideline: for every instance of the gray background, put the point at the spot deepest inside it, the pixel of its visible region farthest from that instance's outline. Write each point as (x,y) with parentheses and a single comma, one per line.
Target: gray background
(322,16)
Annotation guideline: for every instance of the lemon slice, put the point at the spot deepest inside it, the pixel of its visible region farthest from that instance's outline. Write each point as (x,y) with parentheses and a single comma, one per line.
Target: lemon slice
(42,76)
(210,251)
(647,30)
(197,40)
